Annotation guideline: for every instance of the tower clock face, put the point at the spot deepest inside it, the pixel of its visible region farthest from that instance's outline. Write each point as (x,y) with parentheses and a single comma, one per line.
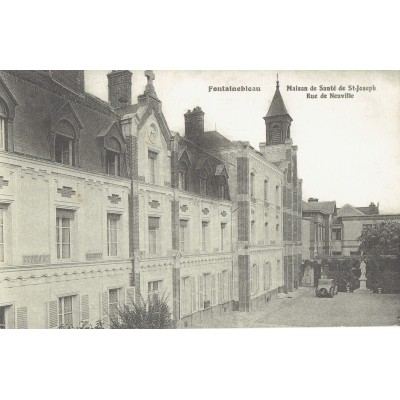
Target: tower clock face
(152,134)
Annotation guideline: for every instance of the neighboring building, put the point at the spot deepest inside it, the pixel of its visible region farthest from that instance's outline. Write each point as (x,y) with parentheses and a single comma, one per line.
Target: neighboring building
(279,150)
(349,223)
(181,210)
(317,226)
(64,211)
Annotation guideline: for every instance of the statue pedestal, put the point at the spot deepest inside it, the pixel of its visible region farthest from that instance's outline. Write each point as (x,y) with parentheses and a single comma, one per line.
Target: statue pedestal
(363,287)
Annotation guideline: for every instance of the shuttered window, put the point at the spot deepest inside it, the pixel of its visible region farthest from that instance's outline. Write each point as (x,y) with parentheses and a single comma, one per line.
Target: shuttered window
(113,304)
(65,312)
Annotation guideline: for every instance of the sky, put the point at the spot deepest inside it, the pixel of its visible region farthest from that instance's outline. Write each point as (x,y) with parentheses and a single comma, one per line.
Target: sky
(348,148)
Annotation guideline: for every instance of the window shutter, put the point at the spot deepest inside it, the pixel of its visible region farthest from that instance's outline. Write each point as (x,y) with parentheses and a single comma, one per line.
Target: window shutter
(194,295)
(213,290)
(11,317)
(130,296)
(220,288)
(201,292)
(85,308)
(104,309)
(230,277)
(53,314)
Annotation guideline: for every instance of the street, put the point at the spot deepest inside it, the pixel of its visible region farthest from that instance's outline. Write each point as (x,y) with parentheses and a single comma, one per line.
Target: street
(304,309)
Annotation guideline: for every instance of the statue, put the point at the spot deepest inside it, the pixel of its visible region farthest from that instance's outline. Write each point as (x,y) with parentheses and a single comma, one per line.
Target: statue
(363,269)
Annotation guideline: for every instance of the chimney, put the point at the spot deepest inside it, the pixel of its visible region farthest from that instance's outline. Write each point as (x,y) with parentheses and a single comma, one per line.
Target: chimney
(119,88)
(312,200)
(194,123)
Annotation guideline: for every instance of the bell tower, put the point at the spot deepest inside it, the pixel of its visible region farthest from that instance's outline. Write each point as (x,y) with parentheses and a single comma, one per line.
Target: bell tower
(277,120)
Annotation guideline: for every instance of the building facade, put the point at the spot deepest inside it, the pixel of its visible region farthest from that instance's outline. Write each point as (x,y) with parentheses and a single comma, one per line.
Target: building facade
(279,150)
(64,197)
(181,211)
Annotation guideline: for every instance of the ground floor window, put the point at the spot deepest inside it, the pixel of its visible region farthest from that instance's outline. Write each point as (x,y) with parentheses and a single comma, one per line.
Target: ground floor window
(113,304)
(154,289)
(2,318)
(65,314)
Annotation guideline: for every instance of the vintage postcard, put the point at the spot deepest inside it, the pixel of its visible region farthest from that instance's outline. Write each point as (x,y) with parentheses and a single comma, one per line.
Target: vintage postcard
(199,199)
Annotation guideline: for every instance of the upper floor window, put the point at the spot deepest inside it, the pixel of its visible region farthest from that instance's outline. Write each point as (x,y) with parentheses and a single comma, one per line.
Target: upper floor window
(112,234)
(265,190)
(204,235)
(222,188)
(223,236)
(277,231)
(3,120)
(63,150)
(252,184)
(277,200)
(112,162)
(182,176)
(253,232)
(152,158)
(203,182)
(154,224)
(63,145)
(266,233)
(64,220)
(183,235)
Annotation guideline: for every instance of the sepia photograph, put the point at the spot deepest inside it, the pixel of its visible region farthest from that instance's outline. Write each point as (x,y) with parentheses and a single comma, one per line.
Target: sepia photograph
(162,199)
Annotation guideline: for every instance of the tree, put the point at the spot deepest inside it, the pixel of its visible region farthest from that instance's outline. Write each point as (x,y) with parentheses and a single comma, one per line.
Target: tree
(151,314)
(381,239)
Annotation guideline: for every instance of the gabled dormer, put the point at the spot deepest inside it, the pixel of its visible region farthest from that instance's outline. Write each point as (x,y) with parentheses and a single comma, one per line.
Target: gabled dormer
(65,132)
(8,103)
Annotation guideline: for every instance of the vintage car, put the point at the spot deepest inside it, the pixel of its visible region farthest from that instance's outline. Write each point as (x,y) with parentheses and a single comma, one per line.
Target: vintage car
(326,287)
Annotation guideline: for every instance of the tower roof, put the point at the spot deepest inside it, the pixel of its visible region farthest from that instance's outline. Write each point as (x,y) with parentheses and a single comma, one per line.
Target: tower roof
(277,106)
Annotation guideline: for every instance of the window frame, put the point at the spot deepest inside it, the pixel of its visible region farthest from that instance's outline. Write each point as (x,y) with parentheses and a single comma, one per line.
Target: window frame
(152,157)
(60,238)
(112,217)
(62,313)
(66,140)
(2,234)
(3,131)
(204,236)
(116,163)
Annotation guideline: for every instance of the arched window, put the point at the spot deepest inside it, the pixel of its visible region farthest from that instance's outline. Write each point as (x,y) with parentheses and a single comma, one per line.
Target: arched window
(63,147)
(203,180)
(266,190)
(3,124)
(252,184)
(182,172)
(276,134)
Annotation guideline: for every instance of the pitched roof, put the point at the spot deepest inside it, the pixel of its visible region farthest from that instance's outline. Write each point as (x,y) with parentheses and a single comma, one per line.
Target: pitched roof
(368,210)
(214,140)
(348,211)
(277,106)
(326,207)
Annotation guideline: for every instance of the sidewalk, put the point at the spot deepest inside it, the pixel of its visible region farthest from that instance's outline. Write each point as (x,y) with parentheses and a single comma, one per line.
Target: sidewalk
(239,319)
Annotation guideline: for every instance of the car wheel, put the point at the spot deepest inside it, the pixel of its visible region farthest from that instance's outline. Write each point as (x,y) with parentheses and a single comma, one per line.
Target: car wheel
(332,292)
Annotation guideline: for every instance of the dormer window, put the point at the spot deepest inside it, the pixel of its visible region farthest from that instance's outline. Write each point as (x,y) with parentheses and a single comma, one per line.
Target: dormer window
(63,150)
(112,163)
(182,176)
(203,182)
(63,145)
(222,188)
